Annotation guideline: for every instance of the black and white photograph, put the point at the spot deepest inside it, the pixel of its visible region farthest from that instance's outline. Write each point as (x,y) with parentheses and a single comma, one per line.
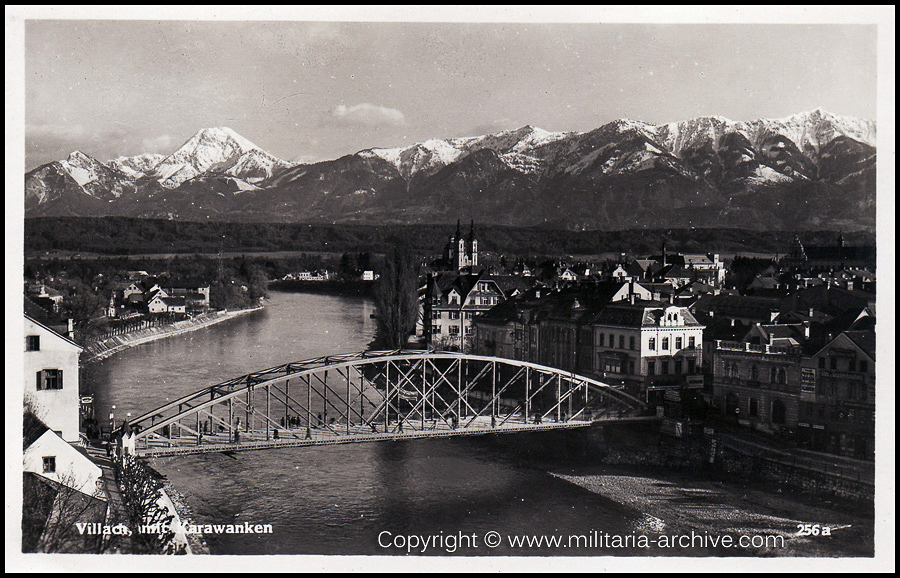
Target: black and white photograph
(435,288)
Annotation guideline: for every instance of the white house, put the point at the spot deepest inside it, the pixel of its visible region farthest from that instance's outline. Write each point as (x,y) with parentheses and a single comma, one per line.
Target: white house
(649,346)
(51,457)
(51,378)
(161,304)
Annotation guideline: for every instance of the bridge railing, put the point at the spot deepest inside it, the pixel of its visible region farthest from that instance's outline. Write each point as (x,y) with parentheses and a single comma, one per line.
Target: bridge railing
(384,393)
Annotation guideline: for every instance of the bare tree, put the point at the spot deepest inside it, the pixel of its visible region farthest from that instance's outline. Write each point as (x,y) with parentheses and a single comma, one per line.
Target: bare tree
(141,491)
(396,298)
(53,511)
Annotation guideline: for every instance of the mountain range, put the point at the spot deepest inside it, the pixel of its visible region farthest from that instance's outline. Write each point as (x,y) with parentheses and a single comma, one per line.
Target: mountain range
(811,170)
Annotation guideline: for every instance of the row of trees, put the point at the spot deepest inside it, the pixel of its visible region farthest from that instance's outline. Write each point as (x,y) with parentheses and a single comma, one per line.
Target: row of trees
(121,235)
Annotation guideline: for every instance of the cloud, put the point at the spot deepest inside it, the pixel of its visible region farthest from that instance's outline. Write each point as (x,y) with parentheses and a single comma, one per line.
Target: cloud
(493,126)
(368,114)
(161,143)
(55,131)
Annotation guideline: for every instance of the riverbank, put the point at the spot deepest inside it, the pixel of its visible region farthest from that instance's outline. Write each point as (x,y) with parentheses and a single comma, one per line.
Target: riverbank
(340,288)
(661,482)
(111,345)
(196,543)
(674,504)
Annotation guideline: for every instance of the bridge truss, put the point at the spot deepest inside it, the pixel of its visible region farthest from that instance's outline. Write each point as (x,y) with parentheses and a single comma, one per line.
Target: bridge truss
(374,396)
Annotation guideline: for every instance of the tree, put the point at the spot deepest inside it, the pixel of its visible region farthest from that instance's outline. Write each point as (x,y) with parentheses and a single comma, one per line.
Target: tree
(52,510)
(396,298)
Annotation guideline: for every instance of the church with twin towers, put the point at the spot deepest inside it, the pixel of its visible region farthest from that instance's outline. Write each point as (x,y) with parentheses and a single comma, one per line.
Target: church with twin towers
(461,252)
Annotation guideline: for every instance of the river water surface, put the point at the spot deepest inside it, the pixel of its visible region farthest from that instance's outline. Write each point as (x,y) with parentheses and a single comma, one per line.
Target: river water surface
(365,498)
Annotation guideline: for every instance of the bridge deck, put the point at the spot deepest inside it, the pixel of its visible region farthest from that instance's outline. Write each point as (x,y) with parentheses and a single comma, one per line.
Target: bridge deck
(255,440)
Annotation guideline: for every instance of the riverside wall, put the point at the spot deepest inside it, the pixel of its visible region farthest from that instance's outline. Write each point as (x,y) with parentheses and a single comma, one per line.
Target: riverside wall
(103,348)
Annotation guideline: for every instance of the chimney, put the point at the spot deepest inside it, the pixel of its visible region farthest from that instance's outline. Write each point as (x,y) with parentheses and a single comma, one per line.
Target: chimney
(672,298)
(631,298)
(811,311)
(806,330)
(771,338)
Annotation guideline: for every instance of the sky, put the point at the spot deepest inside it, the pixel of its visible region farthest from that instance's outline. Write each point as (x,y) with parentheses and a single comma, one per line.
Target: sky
(314,90)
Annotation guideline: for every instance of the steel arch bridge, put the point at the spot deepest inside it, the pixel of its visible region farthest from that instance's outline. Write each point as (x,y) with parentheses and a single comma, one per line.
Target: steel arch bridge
(378,395)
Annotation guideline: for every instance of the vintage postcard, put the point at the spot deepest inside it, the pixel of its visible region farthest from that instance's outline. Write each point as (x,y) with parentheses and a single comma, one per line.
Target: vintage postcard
(508,289)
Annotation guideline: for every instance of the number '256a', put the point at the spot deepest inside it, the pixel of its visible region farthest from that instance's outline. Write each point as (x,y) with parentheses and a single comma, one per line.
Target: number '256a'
(813,530)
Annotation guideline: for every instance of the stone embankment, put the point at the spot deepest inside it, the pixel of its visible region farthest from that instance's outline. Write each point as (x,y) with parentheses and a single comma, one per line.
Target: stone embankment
(103,348)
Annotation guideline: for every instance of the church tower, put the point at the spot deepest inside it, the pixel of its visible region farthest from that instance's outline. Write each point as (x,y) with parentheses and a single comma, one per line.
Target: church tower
(473,246)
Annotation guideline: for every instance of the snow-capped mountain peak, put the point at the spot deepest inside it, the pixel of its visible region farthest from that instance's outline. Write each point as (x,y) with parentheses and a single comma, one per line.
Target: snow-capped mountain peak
(136,166)
(217,150)
(81,167)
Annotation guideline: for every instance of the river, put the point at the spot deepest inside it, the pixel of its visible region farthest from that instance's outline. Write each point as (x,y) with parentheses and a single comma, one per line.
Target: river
(368,498)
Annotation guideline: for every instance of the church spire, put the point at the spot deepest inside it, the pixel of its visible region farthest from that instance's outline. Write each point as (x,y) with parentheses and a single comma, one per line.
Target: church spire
(472,231)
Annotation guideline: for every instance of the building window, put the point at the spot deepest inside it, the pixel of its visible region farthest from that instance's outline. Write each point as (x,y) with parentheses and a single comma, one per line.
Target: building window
(665,344)
(651,368)
(50,379)
(454,315)
(852,365)
(692,365)
(33,343)
(601,340)
(665,368)
(453,330)
(692,342)
(612,365)
(778,412)
(821,363)
(49,464)
(754,407)
(631,342)
(652,344)
(621,342)
(754,373)
(863,366)
(782,377)
(678,367)
(631,367)
(435,329)
(732,404)
(834,363)
(677,343)
(773,375)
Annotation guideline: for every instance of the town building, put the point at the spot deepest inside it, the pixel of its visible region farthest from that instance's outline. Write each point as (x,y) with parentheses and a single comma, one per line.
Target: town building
(649,347)
(837,396)
(48,455)
(451,301)
(161,304)
(51,378)
(757,386)
(815,258)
